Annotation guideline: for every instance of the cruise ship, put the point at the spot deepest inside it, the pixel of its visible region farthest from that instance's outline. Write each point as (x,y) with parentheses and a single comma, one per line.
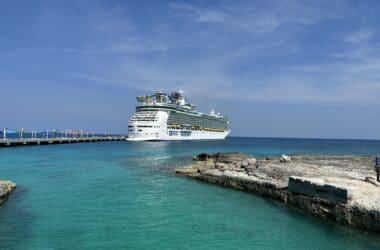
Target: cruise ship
(170,117)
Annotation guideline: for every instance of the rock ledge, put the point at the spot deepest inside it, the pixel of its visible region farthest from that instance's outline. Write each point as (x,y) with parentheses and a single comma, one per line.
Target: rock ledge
(6,187)
(340,188)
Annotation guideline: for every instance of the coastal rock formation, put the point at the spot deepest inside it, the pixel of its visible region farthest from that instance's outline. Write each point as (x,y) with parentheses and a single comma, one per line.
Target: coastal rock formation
(341,188)
(6,187)
(285,159)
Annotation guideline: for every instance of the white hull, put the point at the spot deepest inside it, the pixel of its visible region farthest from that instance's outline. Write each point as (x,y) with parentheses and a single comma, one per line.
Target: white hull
(175,135)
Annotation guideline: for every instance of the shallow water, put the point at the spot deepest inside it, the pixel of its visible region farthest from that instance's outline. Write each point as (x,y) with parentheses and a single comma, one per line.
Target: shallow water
(125,195)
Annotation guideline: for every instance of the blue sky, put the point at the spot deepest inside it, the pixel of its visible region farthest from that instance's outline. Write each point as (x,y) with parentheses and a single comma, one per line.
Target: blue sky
(276,68)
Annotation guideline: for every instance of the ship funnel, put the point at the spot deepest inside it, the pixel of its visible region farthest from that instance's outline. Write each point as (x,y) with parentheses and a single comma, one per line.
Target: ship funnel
(177,98)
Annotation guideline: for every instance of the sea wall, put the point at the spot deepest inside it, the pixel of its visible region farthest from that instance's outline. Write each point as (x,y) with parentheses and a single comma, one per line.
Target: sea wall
(335,188)
(6,187)
(319,189)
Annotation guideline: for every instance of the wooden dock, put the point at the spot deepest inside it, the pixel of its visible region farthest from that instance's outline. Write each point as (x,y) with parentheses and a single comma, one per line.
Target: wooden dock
(62,140)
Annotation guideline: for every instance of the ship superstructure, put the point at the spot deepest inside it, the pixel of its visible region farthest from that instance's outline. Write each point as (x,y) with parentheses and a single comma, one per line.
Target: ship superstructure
(170,117)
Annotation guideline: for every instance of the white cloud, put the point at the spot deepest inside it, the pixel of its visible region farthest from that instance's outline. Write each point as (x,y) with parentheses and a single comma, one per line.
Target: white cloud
(141,44)
(346,84)
(228,35)
(360,36)
(213,16)
(107,20)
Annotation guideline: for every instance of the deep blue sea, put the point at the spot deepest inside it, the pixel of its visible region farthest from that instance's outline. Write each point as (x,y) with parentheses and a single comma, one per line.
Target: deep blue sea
(113,195)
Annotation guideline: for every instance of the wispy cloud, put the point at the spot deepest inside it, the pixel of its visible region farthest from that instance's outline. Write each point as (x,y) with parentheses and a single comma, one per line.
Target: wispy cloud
(111,20)
(201,48)
(142,44)
(356,44)
(245,33)
(251,17)
(360,36)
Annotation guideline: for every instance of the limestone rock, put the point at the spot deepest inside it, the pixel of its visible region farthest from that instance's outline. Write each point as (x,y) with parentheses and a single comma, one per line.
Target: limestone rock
(313,187)
(231,166)
(230,157)
(6,187)
(341,188)
(244,163)
(203,157)
(187,170)
(221,165)
(372,181)
(233,157)
(251,161)
(285,159)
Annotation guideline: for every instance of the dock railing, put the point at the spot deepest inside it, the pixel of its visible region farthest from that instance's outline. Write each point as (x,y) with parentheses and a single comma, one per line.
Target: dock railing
(22,137)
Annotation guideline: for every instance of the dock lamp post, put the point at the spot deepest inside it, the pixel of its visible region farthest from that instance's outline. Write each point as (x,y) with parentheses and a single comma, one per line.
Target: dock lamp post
(377,167)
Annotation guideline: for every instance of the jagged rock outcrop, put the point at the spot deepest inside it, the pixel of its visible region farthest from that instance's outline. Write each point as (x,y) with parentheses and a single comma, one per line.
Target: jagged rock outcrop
(6,187)
(340,188)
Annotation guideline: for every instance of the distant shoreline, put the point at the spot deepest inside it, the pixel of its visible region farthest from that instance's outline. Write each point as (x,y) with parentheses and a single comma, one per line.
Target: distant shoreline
(305,138)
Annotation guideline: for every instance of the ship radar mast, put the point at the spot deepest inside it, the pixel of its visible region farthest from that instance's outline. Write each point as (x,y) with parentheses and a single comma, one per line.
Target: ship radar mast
(177,98)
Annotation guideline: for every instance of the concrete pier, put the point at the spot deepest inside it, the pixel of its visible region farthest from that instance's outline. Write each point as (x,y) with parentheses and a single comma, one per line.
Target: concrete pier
(62,140)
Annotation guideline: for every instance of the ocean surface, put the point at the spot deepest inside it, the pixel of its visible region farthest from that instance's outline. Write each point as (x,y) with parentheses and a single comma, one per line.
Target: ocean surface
(126,195)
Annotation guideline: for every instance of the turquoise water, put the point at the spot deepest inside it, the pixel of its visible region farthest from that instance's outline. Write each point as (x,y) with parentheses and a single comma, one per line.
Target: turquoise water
(125,195)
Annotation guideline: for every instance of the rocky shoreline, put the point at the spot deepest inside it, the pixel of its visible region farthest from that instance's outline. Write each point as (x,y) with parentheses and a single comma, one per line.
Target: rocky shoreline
(340,188)
(6,187)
